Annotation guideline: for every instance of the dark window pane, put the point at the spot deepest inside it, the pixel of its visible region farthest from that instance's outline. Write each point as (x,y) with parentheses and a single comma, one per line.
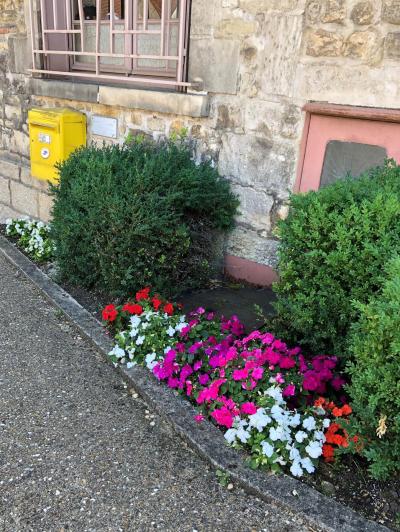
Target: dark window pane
(349,158)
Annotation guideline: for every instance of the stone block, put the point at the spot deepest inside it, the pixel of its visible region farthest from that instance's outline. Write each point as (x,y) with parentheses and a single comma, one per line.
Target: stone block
(216,64)
(68,90)
(314,11)
(19,58)
(28,180)
(156,124)
(322,43)
(365,45)
(255,208)
(335,11)
(229,117)
(392,45)
(7,212)
(257,7)
(24,199)
(9,169)
(281,52)
(253,161)
(363,13)
(45,206)
(5,196)
(250,245)
(391,11)
(235,28)
(19,143)
(194,105)
(201,25)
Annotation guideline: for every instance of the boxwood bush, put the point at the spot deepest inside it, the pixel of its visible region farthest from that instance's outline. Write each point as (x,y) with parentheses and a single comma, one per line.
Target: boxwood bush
(141,214)
(334,245)
(375,377)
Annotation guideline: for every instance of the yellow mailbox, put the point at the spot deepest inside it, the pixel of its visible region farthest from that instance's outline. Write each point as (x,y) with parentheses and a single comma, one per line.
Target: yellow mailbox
(54,135)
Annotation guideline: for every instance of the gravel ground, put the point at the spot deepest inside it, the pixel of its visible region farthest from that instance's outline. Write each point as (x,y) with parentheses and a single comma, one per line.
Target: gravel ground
(79,452)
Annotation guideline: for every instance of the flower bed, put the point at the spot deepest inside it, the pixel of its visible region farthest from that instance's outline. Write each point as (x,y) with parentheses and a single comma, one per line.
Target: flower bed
(266,397)
(32,236)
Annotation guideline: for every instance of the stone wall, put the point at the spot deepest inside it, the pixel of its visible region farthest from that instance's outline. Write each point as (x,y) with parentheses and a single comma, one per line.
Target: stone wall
(258,61)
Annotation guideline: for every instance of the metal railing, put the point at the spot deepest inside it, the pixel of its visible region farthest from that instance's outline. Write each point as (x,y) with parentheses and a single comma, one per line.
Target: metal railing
(148,45)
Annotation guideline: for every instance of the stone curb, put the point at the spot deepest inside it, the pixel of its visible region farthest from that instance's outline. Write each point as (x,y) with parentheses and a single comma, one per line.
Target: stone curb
(318,511)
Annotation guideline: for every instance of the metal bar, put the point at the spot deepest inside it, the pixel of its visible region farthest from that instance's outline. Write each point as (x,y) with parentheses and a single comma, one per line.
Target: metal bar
(145,13)
(81,24)
(61,31)
(43,23)
(68,13)
(111,26)
(133,79)
(31,20)
(181,45)
(98,15)
(55,15)
(139,32)
(106,54)
(133,40)
(164,14)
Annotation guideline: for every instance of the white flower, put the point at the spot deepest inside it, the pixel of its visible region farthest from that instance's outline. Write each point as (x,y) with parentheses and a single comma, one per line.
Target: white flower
(150,361)
(140,340)
(277,413)
(276,433)
(326,423)
(182,319)
(280,460)
(301,436)
(295,420)
(267,449)
(307,465)
(167,349)
(309,423)
(319,435)
(118,352)
(242,434)
(230,435)
(135,321)
(131,365)
(294,454)
(259,420)
(296,469)
(181,326)
(276,393)
(314,449)
(170,331)
(133,332)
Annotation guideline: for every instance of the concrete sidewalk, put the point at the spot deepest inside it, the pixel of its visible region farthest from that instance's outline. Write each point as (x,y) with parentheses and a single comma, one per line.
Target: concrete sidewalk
(79,453)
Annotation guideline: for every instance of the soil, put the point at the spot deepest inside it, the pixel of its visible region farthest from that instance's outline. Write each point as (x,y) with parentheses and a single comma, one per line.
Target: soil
(347,481)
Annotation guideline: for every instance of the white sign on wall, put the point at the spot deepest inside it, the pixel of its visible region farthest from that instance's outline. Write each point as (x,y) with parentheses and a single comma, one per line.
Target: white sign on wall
(104,126)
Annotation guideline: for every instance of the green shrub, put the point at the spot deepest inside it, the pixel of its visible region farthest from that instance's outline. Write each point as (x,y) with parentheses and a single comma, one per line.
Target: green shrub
(375,376)
(137,215)
(335,243)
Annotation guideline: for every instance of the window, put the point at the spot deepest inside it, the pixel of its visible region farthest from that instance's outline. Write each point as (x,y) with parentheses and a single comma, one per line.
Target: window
(131,41)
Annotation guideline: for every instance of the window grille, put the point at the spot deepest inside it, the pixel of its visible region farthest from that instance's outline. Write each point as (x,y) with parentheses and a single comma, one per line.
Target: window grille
(130,41)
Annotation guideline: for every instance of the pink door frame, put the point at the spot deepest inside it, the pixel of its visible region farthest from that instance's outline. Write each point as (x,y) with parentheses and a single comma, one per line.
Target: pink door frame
(323,123)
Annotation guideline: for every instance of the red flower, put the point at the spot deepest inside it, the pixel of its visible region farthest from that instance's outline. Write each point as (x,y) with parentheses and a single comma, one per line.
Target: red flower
(169,309)
(143,294)
(133,308)
(156,303)
(110,313)
(337,412)
(347,410)
(328,453)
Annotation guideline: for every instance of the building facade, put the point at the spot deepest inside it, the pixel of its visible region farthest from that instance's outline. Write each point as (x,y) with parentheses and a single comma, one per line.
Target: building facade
(282,95)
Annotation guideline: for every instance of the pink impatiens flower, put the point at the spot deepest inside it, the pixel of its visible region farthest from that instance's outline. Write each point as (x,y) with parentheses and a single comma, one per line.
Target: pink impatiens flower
(289,391)
(223,417)
(248,408)
(199,418)
(240,374)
